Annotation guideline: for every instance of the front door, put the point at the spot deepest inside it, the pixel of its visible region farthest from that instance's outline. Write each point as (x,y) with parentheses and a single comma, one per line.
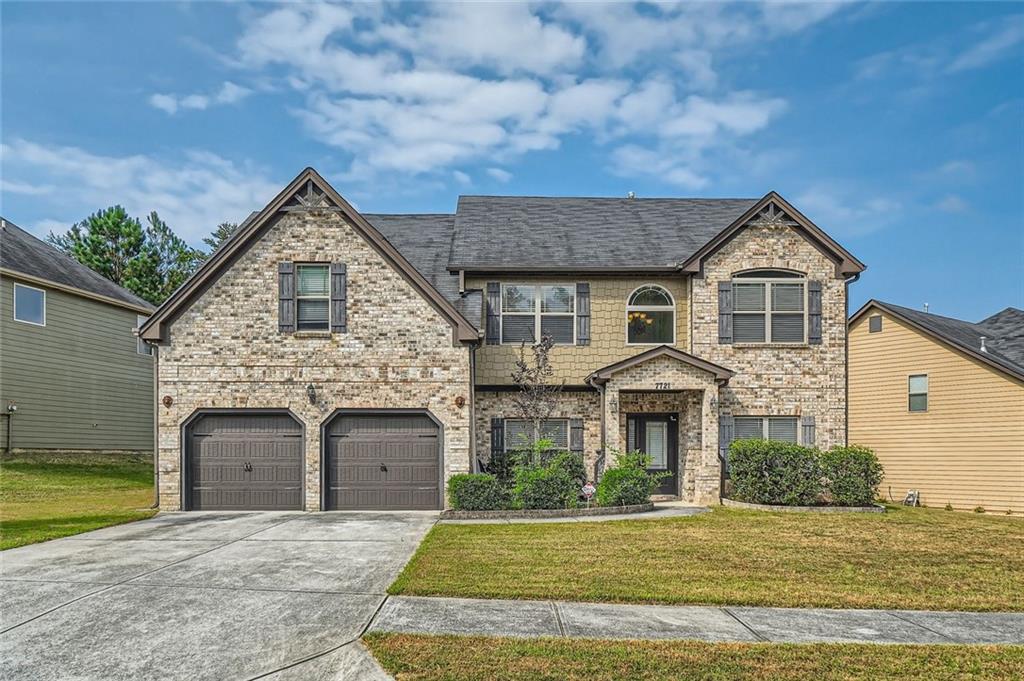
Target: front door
(657,435)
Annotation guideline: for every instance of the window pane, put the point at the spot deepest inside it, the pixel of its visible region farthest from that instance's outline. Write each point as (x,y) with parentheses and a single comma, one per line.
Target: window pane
(657,443)
(28,304)
(782,428)
(919,402)
(518,298)
(748,328)
(787,297)
(874,324)
(650,327)
(650,295)
(312,313)
(314,280)
(748,427)
(517,328)
(556,430)
(919,384)
(748,297)
(787,328)
(518,434)
(558,327)
(557,298)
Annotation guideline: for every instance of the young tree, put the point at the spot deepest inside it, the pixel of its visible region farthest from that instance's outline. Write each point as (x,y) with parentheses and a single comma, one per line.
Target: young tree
(537,396)
(219,235)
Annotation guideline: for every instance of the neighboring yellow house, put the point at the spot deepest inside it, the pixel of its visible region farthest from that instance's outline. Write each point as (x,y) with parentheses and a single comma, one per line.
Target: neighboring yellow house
(941,401)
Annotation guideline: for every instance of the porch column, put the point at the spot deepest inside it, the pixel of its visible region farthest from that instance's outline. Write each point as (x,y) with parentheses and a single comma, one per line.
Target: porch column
(707,477)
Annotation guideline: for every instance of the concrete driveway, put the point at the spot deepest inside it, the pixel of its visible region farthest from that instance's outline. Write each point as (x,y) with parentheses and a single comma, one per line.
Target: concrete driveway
(203,596)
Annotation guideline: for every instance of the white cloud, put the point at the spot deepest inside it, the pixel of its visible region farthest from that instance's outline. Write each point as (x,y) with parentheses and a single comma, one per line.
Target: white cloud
(1000,42)
(952,204)
(499,174)
(229,93)
(26,188)
(193,193)
(957,167)
(840,212)
(462,178)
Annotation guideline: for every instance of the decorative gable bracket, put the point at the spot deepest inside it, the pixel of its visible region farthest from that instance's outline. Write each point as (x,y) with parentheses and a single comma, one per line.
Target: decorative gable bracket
(307,198)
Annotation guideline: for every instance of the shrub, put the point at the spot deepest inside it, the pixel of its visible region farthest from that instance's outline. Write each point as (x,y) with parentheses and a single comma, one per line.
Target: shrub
(477,492)
(544,486)
(627,483)
(573,465)
(772,472)
(852,475)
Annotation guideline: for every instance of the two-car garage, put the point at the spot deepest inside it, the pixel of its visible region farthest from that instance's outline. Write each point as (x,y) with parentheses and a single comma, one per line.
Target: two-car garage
(254,460)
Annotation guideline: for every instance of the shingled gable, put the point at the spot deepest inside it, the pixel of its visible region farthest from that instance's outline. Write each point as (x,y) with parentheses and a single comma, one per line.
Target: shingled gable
(604,374)
(307,191)
(773,210)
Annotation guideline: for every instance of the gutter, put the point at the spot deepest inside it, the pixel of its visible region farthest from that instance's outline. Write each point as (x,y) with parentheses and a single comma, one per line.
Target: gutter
(846,357)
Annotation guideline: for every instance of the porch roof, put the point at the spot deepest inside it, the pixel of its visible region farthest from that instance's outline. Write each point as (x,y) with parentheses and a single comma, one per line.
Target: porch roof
(604,374)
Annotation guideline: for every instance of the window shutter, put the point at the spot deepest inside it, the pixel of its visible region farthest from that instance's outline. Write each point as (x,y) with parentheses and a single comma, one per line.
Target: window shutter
(339,288)
(493,313)
(286,297)
(808,431)
(583,313)
(497,436)
(814,312)
(726,430)
(576,436)
(725,312)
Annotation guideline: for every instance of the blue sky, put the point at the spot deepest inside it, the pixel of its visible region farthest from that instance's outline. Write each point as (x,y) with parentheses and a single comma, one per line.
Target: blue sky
(898,128)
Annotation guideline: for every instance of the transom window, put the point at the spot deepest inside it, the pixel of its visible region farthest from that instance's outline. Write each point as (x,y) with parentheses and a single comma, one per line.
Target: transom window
(519,433)
(313,297)
(782,428)
(531,311)
(917,392)
(769,306)
(650,317)
(29,305)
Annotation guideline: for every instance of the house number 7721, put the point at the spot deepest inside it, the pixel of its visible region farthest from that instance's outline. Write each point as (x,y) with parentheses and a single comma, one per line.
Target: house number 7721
(662,386)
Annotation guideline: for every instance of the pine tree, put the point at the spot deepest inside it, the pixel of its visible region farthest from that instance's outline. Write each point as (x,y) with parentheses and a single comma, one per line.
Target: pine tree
(220,235)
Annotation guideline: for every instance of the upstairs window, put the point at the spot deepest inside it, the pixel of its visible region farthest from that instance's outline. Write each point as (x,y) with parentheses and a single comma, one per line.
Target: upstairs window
(530,311)
(29,305)
(313,297)
(650,317)
(917,389)
(782,428)
(769,307)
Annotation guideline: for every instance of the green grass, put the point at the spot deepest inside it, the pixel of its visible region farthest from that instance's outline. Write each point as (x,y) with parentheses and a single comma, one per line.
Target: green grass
(452,658)
(906,558)
(48,496)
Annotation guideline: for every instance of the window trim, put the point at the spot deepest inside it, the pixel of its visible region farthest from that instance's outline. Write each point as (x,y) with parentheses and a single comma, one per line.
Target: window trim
(14,295)
(767,312)
(327,297)
(141,346)
(927,390)
(764,425)
(564,421)
(537,313)
(872,319)
(651,308)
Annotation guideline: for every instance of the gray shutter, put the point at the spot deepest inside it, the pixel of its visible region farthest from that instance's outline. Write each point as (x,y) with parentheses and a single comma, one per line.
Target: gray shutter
(497,436)
(286,297)
(726,431)
(808,431)
(576,435)
(725,312)
(339,293)
(493,313)
(583,313)
(814,312)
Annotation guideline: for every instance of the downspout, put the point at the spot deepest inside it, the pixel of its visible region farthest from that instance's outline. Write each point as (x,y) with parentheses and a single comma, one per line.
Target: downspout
(156,426)
(472,410)
(846,352)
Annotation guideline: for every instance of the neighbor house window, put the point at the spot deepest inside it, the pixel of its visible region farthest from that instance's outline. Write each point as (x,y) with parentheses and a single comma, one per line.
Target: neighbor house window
(650,317)
(29,305)
(141,346)
(519,433)
(530,311)
(918,392)
(313,297)
(769,307)
(874,323)
(782,428)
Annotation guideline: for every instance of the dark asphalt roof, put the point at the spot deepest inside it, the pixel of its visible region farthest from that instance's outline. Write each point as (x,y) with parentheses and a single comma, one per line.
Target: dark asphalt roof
(1004,333)
(561,232)
(24,253)
(426,241)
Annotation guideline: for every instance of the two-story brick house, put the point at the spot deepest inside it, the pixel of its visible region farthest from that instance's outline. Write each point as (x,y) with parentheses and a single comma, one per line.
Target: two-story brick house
(324,359)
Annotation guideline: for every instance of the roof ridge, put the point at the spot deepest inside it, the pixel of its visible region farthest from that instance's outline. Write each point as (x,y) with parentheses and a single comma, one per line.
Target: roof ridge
(610,198)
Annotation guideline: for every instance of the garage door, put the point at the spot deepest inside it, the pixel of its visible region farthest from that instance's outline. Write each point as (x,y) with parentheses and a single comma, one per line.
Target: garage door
(242,461)
(382,461)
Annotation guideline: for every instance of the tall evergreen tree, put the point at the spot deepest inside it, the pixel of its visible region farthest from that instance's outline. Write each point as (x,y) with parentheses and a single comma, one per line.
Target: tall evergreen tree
(219,235)
(173,260)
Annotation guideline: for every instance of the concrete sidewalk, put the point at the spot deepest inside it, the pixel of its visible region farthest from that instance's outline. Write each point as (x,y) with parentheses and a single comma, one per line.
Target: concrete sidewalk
(428,615)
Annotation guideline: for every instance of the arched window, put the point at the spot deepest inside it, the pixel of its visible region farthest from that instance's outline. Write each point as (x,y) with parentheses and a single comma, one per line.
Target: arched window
(650,317)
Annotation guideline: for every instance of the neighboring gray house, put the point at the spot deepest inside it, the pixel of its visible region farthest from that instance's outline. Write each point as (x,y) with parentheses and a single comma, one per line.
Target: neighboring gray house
(73,374)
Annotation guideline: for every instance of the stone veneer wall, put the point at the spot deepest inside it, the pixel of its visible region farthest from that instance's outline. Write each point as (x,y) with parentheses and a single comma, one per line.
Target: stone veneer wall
(226,351)
(573,363)
(686,406)
(779,380)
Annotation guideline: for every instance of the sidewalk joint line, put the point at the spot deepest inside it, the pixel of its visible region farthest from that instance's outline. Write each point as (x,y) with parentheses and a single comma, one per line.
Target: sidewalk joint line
(920,626)
(746,626)
(558,619)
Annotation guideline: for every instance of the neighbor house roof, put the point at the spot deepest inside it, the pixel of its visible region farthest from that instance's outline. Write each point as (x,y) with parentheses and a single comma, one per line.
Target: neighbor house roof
(22,254)
(1003,332)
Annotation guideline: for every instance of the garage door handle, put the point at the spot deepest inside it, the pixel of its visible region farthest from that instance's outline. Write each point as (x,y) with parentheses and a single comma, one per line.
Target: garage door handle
(383,468)
(247,467)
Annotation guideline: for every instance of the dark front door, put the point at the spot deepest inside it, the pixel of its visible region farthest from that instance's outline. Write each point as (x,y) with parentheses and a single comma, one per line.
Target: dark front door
(658,436)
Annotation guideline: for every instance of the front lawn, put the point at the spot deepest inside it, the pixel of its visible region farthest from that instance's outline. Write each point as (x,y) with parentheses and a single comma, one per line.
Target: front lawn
(426,658)
(913,558)
(48,496)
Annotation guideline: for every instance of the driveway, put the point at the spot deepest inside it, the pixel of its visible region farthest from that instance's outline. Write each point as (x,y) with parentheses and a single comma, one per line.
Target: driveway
(203,596)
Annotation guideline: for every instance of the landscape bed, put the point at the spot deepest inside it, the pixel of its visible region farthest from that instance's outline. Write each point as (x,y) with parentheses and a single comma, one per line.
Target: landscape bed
(547,512)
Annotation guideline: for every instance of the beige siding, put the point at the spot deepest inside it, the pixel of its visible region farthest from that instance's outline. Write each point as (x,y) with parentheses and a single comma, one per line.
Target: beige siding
(574,363)
(79,382)
(967,450)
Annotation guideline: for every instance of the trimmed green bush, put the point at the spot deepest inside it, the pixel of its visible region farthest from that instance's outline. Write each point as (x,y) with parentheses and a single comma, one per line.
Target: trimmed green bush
(627,482)
(477,492)
(772,472)
(852,475)
(547,486)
